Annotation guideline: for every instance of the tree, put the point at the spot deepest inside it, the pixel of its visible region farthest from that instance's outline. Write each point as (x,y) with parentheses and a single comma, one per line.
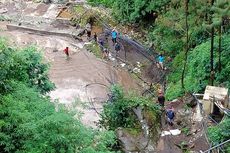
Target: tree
(137,11)
(24,65)
(118,112)
(221,10)
(197,76)
(212,72)
(29,121)
(187,42)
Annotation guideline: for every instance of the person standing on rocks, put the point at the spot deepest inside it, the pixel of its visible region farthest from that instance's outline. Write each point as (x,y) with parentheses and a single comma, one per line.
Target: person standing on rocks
(161,101)
(170,115)
(101,43)
(88,30)
(95,37)
(161,98)
(66,51)
(117,48)
(161,61)
(105,53)
(114,36)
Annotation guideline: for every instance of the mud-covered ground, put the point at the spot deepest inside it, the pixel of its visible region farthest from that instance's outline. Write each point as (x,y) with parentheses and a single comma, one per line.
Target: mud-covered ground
(82,77)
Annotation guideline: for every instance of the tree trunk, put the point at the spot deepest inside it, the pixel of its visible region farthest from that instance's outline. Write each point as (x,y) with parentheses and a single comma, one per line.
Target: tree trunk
(212,73)
(187,44)
(212,56)
(220,39)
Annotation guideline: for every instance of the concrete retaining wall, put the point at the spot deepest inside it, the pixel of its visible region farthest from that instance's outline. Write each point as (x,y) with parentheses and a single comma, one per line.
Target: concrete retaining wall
(12,27)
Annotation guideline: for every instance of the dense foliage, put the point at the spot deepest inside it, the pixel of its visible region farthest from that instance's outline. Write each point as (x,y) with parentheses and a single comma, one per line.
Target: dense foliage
(107,3)
(197,75)
(133,10)
(118,112)
(194,35)
(220,133)
(29,121)
(169,35)
(23,65)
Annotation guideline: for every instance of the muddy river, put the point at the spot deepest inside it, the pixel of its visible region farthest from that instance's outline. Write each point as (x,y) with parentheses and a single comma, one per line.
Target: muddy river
(82,77)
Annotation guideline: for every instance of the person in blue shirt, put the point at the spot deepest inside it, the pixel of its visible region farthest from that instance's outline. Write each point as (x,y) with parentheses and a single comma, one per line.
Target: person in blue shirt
(114,36)
(161,61)
(117,48)
(170,115)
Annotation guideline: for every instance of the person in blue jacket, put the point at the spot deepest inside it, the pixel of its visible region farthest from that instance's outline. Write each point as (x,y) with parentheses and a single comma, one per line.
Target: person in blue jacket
(170,115)
(114,36)
(161,61)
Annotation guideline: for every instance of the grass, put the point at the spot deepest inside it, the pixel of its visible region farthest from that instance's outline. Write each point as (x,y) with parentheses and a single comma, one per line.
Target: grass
(79,9)
(95,49)
(133,131)
(186,131)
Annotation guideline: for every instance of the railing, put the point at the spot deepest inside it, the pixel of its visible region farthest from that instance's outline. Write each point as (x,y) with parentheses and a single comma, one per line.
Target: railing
(216,148)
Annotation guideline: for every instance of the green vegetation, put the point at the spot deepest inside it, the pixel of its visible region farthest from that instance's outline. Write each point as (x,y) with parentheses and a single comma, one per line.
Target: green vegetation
(95,49)
(107,3)
(194,34)
(118,112)
(133,10)
(186,130)
(220,133)
(198,71)
(182,31)
(29,121)
(23,65)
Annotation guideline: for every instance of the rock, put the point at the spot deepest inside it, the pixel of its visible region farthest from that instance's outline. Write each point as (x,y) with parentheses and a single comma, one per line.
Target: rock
(47,1)
(3,10)
(175,100)
(190,100)
(178,121)
(164,133)
(194,131)
(119,132)
(175,132)
(55,1)
(132,144)
(192,146)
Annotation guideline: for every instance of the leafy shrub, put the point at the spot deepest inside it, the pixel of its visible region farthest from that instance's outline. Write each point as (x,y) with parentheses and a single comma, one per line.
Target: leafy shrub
(95,49)
(198,69)
(118,112)
(220,133)
(30,123)
(23,65)
(107,3)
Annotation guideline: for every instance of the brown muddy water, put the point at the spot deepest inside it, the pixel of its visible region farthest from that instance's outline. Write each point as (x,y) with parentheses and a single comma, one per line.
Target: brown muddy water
(82,77)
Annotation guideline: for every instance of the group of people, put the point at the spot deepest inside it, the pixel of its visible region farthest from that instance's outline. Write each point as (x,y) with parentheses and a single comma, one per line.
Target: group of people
(117,47)
(169,111)
(101,43)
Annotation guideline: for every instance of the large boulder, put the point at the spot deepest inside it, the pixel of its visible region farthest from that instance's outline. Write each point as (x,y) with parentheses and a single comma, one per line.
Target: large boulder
(190,100)
(134,143)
